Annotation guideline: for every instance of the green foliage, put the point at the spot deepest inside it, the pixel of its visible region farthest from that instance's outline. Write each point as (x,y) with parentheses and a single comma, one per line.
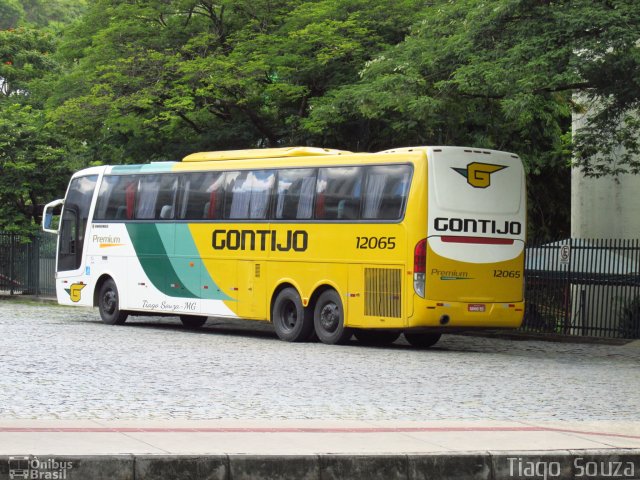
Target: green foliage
(39,13)
(31,166)
(25,56)
(156,80)
(11,14)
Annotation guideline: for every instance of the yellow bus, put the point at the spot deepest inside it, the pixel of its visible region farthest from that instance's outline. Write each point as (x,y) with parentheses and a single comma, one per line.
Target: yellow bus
(322,243)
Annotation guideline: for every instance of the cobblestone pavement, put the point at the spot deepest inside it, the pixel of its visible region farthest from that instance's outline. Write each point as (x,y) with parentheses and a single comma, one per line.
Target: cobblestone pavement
(63,363)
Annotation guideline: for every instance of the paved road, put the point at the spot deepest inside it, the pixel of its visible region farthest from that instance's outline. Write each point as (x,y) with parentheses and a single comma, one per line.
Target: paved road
(63,363)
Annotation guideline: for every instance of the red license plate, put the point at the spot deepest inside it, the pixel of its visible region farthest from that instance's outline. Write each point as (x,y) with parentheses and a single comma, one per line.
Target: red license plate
(477,307)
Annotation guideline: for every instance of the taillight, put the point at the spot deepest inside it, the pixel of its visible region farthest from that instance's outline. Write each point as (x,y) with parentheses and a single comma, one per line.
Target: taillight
(419,266)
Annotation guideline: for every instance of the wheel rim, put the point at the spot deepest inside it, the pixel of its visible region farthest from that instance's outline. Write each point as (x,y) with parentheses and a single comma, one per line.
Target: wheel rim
(330,317)
(288,316)
(109,301)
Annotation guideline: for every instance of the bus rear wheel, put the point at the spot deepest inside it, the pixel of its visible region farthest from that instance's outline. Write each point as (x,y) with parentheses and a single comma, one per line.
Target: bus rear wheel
(192,321)
(376,337)
(291,321)
(328,319)
(422,340)
(109,304)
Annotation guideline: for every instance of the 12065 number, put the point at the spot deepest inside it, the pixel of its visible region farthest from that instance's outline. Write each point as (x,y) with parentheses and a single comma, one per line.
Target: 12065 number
(506,273)
(370,243)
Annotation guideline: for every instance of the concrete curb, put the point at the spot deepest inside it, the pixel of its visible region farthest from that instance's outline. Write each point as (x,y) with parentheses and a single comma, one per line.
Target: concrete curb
(558,464)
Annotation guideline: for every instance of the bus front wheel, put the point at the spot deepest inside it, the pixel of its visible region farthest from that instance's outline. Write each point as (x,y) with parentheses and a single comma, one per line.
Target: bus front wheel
(422,340)
(290,319)
(328,319)
(109,304)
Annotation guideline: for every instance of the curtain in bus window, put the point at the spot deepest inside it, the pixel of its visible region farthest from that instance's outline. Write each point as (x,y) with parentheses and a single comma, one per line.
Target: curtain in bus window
(294,193)
(240,196)
(386,192)
(148,189)
(261,183)
(130,197)
(250,194)
(305,206)
(184,200)
(373,195)
(215,195)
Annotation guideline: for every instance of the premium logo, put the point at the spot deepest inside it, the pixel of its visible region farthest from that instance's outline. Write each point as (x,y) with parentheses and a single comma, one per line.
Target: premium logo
(478,175)
(74,291)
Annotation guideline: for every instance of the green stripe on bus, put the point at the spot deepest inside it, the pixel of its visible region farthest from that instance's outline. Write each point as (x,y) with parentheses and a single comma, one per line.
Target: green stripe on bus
(173,276)
(193,276)
(157,167)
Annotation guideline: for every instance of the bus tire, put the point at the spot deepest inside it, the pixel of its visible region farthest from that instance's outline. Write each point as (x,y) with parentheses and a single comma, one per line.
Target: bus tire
(422,340)
(109,304)
(376,337)
(291,321)
(192,322)
(328,319)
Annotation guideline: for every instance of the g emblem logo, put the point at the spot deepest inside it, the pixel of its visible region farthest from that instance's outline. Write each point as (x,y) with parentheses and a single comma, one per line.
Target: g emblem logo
(478,175)
(74,291)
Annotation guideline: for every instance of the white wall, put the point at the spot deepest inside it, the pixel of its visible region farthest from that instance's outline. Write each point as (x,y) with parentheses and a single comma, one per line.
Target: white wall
(607,207)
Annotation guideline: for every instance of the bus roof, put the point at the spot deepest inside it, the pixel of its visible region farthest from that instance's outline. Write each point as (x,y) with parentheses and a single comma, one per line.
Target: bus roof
(262,153)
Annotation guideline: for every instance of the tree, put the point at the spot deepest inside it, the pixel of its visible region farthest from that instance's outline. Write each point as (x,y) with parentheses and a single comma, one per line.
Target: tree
(32,161)
(25,56)
(32,170)
(158,79)
(11,13)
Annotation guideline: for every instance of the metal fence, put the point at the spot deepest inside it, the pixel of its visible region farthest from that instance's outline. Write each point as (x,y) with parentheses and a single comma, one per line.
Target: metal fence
(584,287)
(27,264)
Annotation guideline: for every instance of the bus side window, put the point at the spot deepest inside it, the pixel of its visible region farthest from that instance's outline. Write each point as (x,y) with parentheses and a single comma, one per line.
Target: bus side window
(167,195)
(339,192)
(116,198)
(199,198)
(104,198)
(148,189)
(261,187)
(247,195)
(130,198)
(386,192)
(237,192)
(294,194)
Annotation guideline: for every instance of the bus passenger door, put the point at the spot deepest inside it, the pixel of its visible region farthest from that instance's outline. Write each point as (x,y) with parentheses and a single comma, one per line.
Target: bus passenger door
(252,290)
(72,276)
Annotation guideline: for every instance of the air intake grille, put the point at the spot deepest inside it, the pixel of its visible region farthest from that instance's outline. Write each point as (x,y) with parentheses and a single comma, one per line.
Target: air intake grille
(383,292)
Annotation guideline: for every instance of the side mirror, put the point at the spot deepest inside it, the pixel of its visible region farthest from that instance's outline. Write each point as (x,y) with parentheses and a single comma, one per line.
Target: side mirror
(46,221)
(47,215)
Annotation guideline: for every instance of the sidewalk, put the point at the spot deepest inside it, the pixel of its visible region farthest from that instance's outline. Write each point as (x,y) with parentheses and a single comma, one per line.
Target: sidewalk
(92,449)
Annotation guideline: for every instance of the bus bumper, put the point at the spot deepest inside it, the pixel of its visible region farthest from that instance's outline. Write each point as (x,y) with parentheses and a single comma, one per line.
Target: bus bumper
(472,315)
